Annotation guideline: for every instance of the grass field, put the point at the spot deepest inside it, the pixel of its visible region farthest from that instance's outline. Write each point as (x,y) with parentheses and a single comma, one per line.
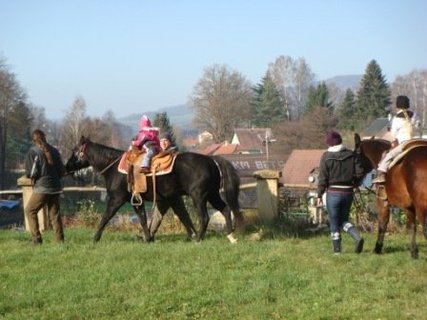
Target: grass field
(277,278)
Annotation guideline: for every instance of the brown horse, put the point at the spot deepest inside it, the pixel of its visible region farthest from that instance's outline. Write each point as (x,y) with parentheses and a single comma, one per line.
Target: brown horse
(405,187)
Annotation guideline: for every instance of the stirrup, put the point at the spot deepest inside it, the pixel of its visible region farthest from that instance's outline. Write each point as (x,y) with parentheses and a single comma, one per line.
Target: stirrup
(380,179)
(136,200)
(381,193)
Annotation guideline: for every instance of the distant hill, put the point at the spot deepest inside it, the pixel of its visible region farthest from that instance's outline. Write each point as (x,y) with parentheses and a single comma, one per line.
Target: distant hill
(182,115)
(346,82)
(179,115)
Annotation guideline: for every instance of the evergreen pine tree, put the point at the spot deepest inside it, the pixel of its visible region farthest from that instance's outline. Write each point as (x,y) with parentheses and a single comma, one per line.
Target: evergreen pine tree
(318,97)
(268,104)
(373,97)
(161,120)
(346,111)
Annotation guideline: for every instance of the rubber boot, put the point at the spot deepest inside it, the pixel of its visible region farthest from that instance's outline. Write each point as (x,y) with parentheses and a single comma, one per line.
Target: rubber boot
(336,242)
(358,240)
(336,245)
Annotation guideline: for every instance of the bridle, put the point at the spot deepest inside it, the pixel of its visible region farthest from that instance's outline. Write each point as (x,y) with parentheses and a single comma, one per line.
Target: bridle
(81,153)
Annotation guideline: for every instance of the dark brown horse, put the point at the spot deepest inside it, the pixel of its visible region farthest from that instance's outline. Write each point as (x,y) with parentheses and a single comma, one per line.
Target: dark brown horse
(405,187)
(199,176)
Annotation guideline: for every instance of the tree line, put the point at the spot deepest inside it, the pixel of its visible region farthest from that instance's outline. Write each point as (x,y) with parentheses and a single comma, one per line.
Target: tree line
(297,108)
(287,99)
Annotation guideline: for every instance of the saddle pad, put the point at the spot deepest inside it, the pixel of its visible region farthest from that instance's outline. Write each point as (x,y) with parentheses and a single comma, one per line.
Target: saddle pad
(409,145)
(163,163)
(130,157)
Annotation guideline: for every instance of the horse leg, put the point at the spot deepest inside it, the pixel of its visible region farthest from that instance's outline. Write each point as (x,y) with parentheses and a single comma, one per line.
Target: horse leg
(155,222)
(216,201)
(202,210)
(412,228)
(142,216)
(422,218)
(113,205)
(424,224)
(383,219)
(180,210)
(229,224)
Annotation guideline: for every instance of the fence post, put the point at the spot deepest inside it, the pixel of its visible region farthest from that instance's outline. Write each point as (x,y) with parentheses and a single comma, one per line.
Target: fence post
(27,191)
(267,193)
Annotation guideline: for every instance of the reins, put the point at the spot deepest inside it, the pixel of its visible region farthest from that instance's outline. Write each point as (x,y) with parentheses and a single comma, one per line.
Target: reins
(110,165)
(81,153)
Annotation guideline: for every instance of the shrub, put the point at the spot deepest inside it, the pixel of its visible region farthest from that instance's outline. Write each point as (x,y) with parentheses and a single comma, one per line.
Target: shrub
(87,214)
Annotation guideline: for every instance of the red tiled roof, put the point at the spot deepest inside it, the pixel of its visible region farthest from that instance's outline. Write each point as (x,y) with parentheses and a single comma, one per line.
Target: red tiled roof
(299,165)
(250,139)
(226,149)
(209,150)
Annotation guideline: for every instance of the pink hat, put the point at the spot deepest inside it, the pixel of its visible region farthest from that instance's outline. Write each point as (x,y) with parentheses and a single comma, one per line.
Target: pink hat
(144,122)
(333,138)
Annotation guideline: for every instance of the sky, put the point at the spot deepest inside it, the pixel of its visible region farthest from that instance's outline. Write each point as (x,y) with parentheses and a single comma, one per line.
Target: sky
(132,56)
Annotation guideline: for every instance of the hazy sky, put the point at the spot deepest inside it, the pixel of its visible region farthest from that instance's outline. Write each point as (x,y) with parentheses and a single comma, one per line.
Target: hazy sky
(131,56)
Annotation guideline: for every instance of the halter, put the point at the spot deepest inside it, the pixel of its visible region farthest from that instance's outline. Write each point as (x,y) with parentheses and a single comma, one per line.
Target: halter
(81,152)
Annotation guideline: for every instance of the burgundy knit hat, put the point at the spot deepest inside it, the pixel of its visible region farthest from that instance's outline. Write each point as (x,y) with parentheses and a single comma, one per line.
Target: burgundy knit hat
(333,138)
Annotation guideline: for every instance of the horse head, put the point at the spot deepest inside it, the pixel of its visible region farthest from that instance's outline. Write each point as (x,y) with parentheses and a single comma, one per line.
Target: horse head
(78,160)
(370,150)
(83,140)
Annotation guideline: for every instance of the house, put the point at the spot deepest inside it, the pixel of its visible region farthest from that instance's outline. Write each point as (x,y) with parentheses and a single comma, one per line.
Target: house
(252,140)
(379,128)
(244,141)
(205,136)
(247,151)
(301,164)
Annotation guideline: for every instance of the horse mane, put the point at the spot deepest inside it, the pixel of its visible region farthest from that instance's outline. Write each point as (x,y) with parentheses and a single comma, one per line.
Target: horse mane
(104,151)
(380,140)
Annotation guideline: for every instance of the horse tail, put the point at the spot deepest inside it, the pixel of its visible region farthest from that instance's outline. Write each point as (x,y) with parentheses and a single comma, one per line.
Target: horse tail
(231,186)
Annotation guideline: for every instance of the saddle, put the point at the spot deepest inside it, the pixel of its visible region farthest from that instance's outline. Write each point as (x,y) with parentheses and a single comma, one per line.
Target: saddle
(408,146)
(161,164)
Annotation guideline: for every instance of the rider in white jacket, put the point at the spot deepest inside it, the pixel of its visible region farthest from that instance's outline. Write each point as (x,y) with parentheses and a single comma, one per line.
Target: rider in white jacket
(402,127)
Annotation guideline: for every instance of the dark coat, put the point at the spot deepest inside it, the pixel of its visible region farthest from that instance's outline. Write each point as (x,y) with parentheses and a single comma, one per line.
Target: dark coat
(46,177)
(340,168)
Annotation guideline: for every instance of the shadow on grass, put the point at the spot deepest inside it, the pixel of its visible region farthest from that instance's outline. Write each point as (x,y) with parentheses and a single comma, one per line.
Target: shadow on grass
(393,248)
(287,227)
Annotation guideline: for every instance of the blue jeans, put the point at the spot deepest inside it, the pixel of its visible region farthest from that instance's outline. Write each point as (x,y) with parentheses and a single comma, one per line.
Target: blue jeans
(146,159)
(338,204)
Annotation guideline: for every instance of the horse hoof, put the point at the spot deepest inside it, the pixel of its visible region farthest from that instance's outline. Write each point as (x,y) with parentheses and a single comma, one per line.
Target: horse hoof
(378,248)
(414,254)
(231,238)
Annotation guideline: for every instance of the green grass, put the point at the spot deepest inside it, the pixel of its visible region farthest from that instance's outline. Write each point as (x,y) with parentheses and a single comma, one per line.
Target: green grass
(280,278)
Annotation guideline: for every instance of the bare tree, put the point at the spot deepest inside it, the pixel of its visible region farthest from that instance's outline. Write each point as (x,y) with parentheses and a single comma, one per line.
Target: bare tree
(221,100)
(74,123)
(305,133)
(282,72)
(293,78)
(414,85)
(112,131)
(105,130)
(303,79)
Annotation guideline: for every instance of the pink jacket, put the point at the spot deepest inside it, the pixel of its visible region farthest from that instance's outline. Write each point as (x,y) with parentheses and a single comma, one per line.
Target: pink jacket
(146,133)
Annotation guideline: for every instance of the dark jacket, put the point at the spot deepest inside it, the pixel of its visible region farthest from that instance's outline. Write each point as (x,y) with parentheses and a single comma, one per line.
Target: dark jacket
(46,177)
(341,168)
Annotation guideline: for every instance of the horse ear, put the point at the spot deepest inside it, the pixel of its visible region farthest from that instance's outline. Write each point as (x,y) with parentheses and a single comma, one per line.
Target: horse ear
(357,139)
(357,142)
